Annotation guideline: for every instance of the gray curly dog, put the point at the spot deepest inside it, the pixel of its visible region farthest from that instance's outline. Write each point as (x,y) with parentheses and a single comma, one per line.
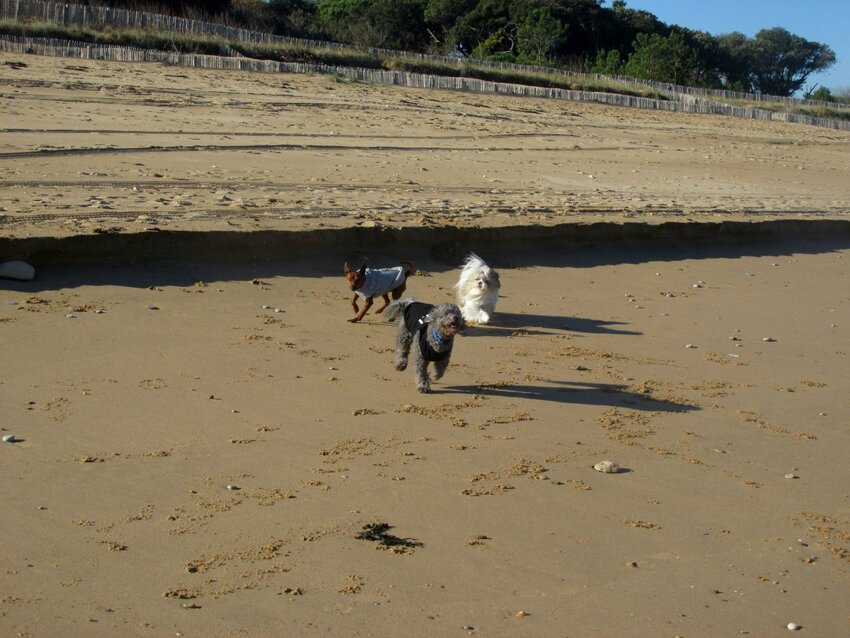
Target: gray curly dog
(430,330)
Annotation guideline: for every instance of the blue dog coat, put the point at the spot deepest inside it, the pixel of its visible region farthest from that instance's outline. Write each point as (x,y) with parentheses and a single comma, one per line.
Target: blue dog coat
(381,281)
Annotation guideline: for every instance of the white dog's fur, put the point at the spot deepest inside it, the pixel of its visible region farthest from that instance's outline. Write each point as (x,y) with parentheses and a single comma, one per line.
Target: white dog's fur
(477,290)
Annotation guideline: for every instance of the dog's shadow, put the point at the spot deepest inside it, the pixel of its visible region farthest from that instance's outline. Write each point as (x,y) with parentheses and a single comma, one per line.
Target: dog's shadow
(576,393)
(531,324)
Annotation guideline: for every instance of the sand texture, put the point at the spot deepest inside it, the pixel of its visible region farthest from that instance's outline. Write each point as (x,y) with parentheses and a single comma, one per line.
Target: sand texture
(93,146)
(205,446)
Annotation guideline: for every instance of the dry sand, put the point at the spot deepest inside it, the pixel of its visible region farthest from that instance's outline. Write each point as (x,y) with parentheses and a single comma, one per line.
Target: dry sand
(200,442)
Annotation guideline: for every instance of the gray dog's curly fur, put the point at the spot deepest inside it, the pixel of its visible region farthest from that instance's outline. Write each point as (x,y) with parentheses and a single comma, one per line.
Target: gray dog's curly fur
(442,323)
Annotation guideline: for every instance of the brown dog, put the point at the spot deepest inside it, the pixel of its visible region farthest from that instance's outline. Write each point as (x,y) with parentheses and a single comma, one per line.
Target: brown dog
(368,283)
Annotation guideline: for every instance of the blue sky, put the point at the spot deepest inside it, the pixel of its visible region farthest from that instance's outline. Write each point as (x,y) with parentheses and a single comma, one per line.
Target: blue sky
(824,21)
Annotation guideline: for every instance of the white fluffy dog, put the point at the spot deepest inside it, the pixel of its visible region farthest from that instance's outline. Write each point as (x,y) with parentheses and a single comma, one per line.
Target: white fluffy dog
(477,290)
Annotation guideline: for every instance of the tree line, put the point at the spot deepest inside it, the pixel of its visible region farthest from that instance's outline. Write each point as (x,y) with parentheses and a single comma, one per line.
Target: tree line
(583,35)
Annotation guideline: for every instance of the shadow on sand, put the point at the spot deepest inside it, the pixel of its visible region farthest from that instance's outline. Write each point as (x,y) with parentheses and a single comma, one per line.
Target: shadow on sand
(531,324)
(575,393)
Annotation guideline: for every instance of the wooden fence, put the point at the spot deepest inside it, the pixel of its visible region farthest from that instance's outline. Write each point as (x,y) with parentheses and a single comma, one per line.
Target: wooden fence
(689,104)
(99,17)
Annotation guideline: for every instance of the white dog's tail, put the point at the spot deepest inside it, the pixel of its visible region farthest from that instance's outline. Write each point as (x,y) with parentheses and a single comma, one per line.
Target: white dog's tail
(473,262)
(396,308)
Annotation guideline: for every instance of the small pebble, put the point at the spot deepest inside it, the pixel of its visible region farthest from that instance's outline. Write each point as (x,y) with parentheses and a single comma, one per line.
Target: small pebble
(792,626)
(278,310)
(99,311)
(521,614)
(233,487)
(791,476)
(468,628)
(771,339)
(265,307)
(153,308)
(8,438)
(70,316)
(690,345)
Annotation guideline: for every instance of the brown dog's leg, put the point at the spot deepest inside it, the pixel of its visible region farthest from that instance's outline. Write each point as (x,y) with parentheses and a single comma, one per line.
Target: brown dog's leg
(363,312)
(398,291)
(386,299)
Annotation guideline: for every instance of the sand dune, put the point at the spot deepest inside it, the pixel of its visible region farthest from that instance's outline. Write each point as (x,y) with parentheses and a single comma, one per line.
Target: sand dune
(206,447)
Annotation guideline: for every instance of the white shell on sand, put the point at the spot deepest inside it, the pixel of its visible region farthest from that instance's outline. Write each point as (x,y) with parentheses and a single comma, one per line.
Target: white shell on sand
(792,626)
(8,438)
(607,467)
(19,270)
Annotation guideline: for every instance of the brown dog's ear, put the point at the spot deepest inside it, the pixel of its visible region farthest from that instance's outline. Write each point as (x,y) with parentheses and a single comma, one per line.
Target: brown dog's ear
(345,269)
(362,271)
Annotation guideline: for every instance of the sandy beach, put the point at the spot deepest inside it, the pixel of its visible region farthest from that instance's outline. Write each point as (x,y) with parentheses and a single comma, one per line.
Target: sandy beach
(205,447)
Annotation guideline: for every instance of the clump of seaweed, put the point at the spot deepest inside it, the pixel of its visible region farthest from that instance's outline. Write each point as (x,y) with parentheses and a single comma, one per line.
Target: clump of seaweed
(379,533)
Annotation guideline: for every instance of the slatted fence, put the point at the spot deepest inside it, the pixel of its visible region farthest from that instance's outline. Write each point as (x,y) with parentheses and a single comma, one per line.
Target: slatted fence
(688,104)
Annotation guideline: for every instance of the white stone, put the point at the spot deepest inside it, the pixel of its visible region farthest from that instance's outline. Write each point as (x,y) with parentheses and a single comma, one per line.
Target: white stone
(19,270)
(607,467)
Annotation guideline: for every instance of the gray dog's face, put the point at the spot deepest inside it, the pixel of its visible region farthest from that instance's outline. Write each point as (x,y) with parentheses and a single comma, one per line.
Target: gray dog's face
(448,320)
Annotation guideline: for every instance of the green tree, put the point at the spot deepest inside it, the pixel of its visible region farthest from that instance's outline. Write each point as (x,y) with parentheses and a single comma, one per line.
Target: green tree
(486,29)
(781,61)
(821,93)
(394,24)
(735,66)
(607,63)
(295,18)
(539,36)
(662,59)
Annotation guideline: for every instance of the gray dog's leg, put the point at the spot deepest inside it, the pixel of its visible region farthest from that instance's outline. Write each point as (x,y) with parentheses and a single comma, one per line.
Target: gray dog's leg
(441,366)
(420,369)
(403,339)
